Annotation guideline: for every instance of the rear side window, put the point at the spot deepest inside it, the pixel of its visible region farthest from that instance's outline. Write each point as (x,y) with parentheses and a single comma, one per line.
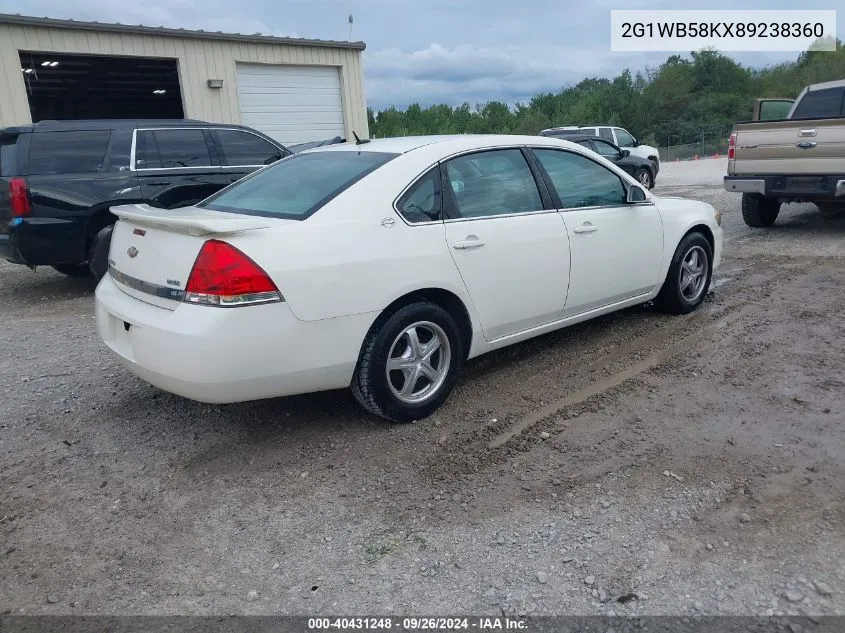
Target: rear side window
(606,133)
(245,149)
(171,149)
(77,152)
(297,186)
(422,201)
(8,156)
(820,103)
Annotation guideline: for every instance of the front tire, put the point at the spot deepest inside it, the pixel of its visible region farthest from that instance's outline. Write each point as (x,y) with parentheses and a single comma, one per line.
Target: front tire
(759,212)
(409,363)
(73,270)
(98,252)
(689,276)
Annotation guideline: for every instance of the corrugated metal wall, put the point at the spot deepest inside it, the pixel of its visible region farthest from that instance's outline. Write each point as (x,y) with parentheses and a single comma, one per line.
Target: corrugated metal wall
(199,60)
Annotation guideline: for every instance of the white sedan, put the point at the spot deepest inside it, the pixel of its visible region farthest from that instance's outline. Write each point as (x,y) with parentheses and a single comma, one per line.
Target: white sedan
(383,266)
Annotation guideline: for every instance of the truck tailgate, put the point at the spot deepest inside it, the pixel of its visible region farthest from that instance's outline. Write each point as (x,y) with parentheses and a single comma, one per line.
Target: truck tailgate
(813,146)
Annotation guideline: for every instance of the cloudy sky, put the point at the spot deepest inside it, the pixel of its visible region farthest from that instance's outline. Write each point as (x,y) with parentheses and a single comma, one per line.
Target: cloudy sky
(431,51)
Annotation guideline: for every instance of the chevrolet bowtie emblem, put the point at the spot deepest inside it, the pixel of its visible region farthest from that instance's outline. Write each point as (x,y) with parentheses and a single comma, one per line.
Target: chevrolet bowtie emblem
(132,251)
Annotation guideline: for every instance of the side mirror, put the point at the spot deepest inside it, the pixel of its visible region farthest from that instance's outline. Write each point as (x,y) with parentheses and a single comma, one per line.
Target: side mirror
(635,194)
(625,153)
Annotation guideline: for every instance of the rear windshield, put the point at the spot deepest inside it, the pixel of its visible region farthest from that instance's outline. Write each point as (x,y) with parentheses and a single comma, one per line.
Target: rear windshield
(819,104)
(297,186)
(8,156)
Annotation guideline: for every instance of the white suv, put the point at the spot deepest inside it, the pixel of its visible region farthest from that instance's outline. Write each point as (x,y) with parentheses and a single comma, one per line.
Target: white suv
(616,135)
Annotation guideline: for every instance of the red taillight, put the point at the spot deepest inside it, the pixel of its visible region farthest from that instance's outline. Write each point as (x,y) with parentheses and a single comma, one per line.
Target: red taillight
(224,276)
(19,197)
(732,147)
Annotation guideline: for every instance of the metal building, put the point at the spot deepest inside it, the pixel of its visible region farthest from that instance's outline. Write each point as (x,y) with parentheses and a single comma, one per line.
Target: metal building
(294,90)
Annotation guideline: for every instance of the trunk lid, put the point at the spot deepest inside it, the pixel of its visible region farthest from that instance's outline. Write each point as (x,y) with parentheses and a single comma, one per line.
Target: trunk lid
(153,250)
(814,146)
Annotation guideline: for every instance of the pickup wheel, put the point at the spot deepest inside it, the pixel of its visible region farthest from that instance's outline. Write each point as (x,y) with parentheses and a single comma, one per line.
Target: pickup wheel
(758,211)
(98,252)
(73,270)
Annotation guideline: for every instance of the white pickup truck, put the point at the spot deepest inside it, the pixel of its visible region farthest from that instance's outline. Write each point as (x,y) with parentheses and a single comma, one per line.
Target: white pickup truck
(797,159)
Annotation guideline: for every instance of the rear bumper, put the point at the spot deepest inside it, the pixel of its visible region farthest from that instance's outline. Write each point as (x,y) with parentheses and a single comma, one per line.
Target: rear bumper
(224,355)
(796,187)
(43,242)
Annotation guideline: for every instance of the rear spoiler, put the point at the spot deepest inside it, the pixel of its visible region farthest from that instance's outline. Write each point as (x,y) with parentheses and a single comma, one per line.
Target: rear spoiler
(191,220)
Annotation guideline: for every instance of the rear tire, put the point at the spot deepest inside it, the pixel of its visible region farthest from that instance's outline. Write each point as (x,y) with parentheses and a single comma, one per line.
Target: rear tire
(433,368)
(689,276)
(758,211)
(73,270)
(644,177)
(98,252)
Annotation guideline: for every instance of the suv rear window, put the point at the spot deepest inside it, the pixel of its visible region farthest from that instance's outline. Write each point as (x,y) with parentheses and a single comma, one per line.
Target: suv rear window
(9,156)
(77,152)
(297,186)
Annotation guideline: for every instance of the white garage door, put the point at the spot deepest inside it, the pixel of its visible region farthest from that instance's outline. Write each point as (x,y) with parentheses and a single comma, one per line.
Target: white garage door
(292,104)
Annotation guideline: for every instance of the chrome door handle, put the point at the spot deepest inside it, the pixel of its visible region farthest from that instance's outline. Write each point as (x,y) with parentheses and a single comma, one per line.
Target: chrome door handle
(806,133)
(471,241)
(585,228)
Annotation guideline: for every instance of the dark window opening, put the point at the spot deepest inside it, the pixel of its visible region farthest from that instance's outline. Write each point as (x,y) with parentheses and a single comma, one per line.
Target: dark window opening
(245,149)
(67,87)
(79,152)
(171,149)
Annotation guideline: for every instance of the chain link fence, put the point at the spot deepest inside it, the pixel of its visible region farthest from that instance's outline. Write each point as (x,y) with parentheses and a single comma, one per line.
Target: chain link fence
(708,148)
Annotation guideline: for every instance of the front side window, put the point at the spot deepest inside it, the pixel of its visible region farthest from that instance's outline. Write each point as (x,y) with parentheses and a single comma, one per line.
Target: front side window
(623,139)
(297,186)
(67,152)
(579,181)
(171,149)
(605,132)
(245,149)
(421,203)
(819,104)
(606,149)
(496,182)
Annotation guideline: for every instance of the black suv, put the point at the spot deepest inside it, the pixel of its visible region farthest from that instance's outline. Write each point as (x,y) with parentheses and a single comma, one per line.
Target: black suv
(640,168)
(58,180)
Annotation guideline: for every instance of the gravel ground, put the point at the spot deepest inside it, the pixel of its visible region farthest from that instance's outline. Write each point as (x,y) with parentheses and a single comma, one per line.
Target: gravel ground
(668,465)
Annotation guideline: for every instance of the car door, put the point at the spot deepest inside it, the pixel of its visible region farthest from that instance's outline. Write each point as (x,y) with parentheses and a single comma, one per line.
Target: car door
(242,152)
(176,166)
(509,245)
(616,246)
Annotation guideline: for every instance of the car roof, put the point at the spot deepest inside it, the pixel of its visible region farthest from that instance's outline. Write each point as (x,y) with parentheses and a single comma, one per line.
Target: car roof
(110,124)
(448,143)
